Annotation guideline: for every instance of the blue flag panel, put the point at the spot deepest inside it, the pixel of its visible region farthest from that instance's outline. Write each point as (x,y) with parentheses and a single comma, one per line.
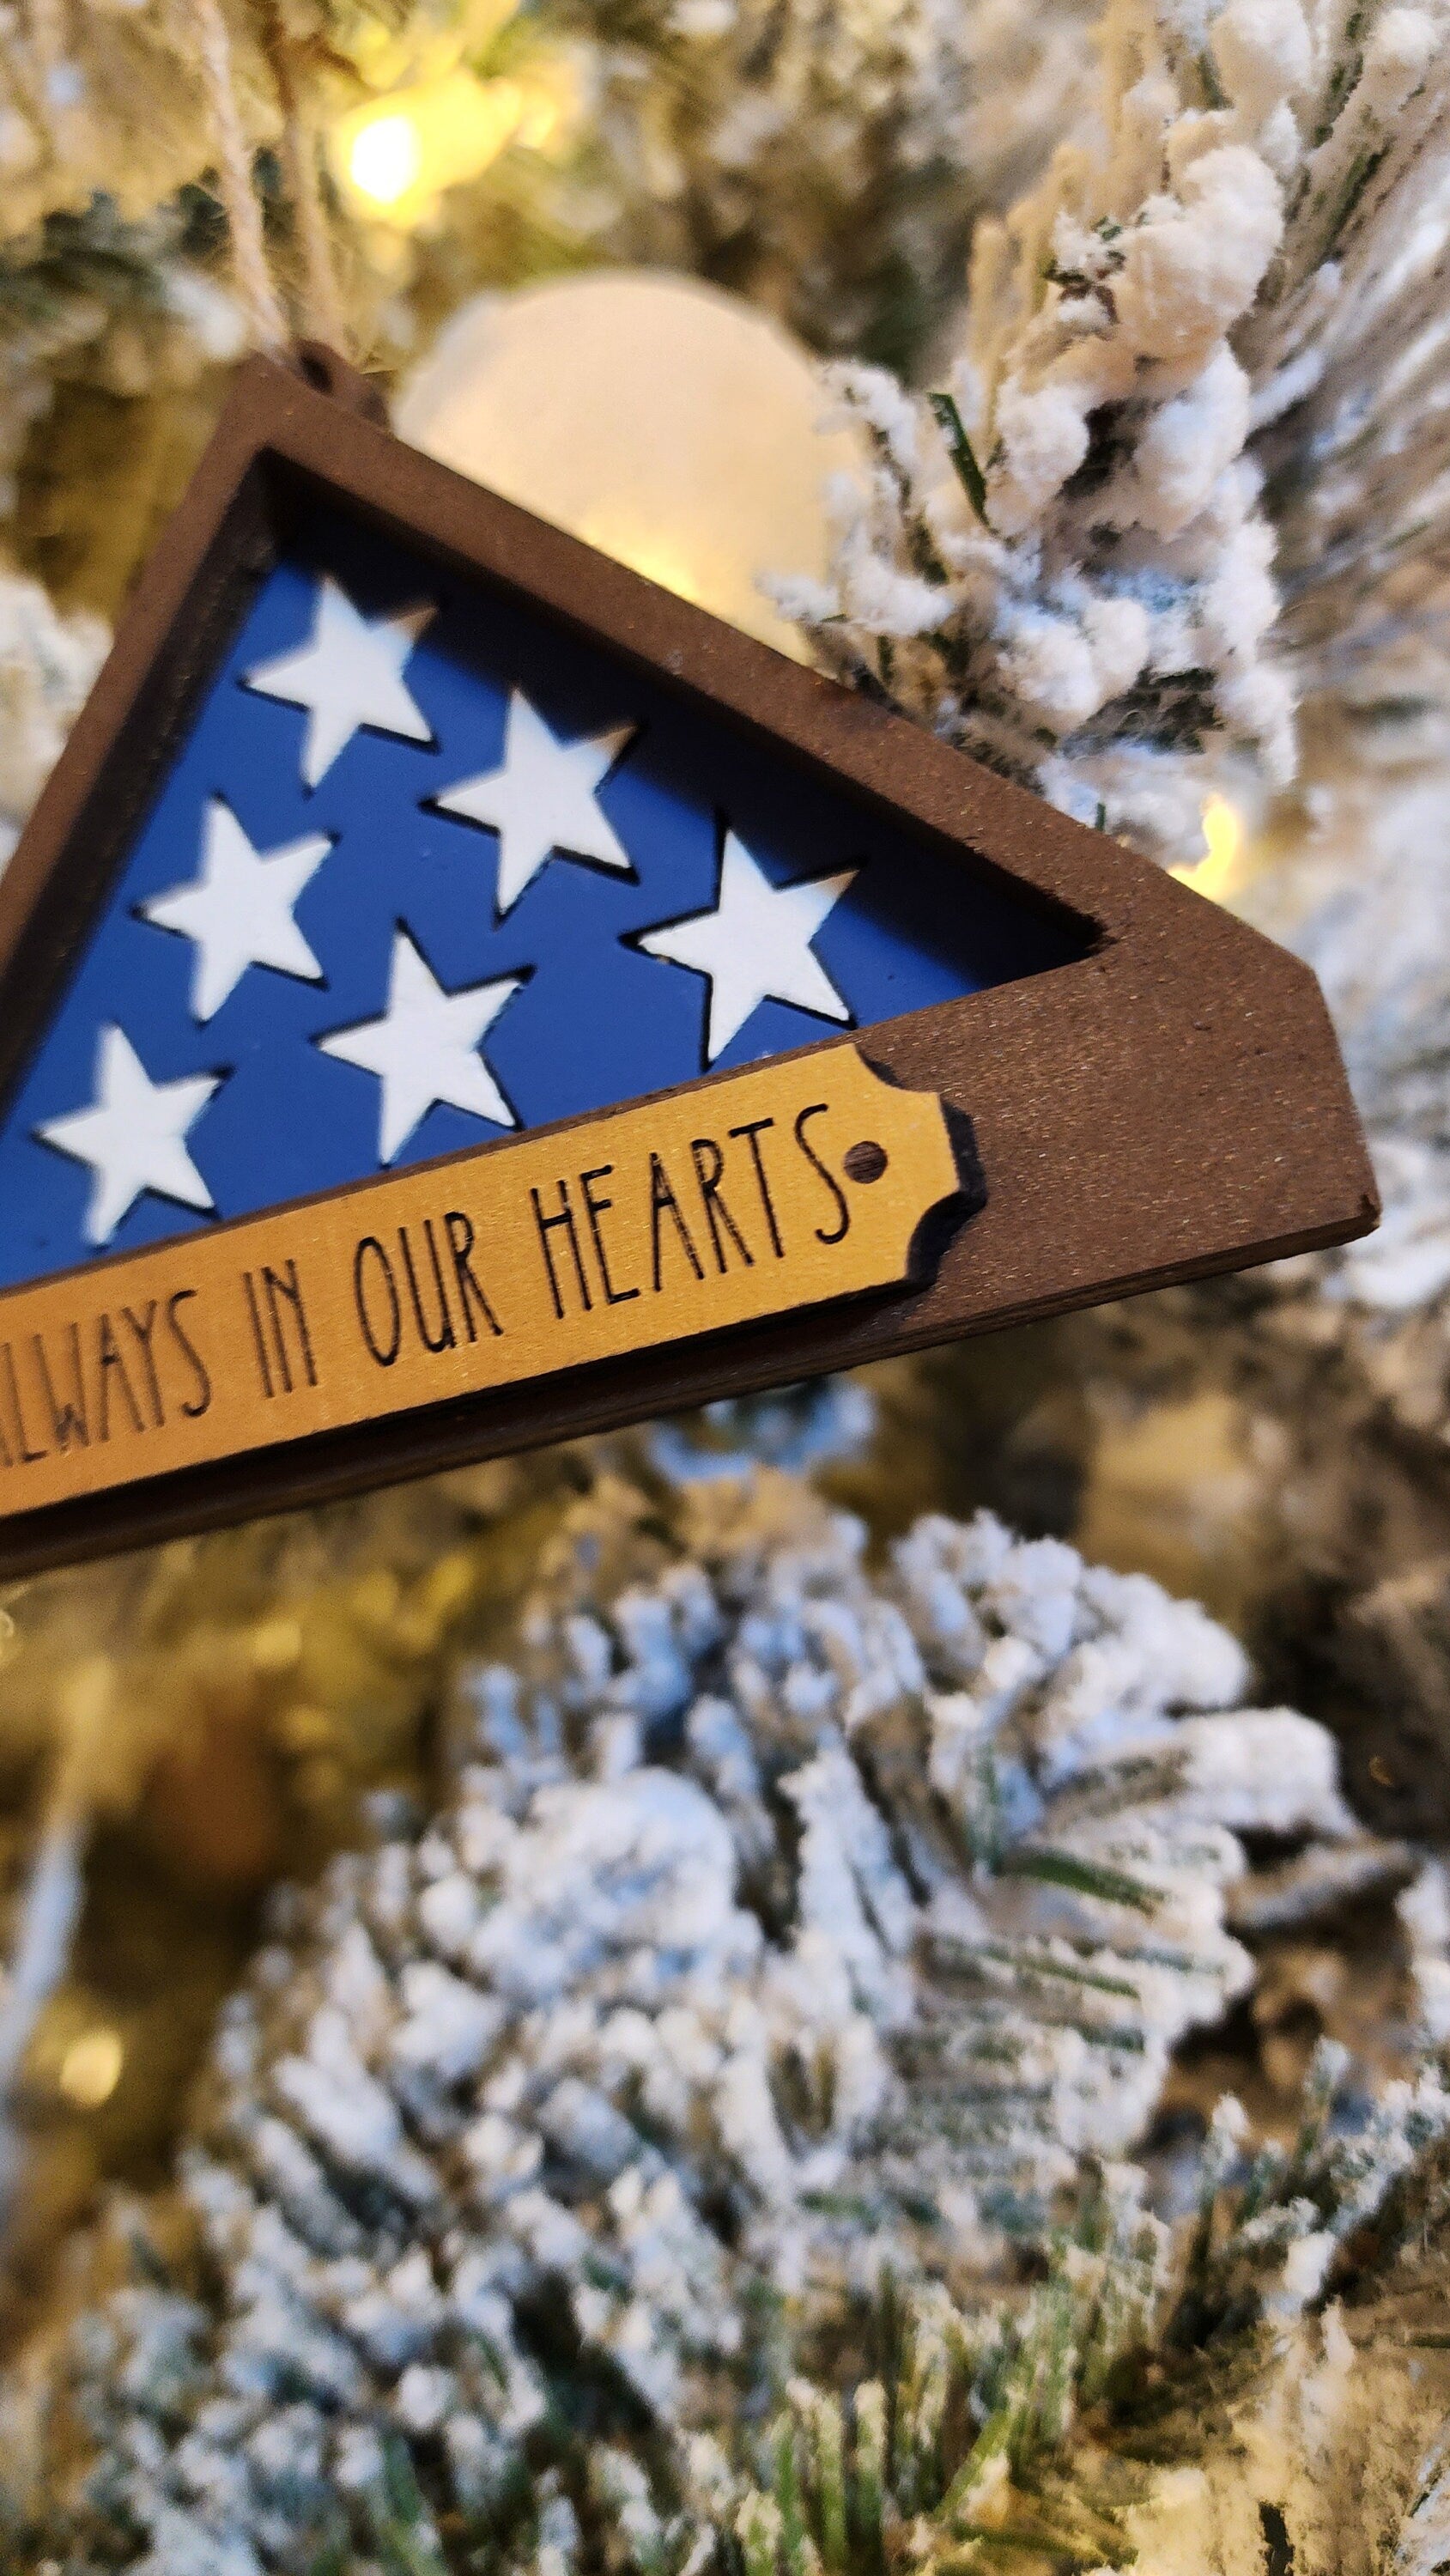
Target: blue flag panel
(429,869)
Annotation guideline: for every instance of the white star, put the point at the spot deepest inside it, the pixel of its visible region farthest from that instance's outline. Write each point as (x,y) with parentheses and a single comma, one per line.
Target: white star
(755,945)
(348,673)
(542,799)
(423,1049)
(132,1136)
(239,910)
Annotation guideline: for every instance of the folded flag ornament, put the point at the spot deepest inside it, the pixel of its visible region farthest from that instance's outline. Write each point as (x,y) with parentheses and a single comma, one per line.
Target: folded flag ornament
(456,994)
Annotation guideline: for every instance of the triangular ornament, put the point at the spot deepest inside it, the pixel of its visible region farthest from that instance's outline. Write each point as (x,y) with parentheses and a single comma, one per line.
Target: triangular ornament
(454,994)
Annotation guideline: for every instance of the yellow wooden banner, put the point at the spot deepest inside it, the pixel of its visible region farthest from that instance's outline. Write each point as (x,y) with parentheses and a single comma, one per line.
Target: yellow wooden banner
(774,1188)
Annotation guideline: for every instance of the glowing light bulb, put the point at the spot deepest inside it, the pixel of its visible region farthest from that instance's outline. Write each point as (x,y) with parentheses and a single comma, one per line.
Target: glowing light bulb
(386,158)
(399,156)
(91,2069)
(703,467)
(1223,838)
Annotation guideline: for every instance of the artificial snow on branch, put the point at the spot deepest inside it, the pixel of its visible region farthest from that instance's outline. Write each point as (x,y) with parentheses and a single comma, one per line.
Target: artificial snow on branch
(47,664)
(783,1926)
(1187,466)
(827,157)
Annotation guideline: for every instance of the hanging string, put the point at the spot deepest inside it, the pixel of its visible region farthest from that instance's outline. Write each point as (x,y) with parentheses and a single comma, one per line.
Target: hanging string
(322,313)
(260,299)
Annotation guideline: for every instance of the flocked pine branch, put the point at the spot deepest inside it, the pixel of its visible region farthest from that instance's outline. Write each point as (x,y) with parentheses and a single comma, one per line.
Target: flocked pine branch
(826,157)
(129,308)
(785,1926)
(1184,470)
(47,664)
(109,102)
(1032,2428)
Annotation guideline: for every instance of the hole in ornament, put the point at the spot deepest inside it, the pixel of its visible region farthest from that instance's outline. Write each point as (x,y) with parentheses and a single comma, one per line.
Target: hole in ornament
(866,1161)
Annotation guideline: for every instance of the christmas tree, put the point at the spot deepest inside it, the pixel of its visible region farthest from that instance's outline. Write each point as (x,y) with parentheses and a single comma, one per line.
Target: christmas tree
(759,1995)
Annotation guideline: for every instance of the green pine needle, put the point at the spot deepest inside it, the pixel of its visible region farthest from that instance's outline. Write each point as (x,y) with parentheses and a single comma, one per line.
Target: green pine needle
(959,448)
(1084,1877)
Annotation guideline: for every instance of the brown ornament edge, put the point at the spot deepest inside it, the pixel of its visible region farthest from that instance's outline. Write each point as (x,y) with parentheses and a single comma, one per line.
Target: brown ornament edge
(1169,1105)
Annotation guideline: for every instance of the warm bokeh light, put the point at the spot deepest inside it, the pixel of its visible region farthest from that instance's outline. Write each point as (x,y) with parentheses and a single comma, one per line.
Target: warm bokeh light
(91,2069)
(385,158)
(1223,837)
(396,157)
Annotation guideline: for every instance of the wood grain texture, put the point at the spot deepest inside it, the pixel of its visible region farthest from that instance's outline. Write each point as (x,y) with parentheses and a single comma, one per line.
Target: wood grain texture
(785,1186)
(1170,1104)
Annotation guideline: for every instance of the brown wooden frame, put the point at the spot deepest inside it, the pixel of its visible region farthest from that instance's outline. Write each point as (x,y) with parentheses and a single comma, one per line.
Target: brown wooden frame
(1170,1104)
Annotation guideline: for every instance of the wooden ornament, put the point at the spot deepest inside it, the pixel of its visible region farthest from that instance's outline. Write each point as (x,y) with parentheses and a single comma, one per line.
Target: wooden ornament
(454,994)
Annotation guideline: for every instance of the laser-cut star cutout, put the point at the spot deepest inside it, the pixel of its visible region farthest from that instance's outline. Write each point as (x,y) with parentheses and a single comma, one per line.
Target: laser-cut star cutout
(755,945)
(133,1135)
(423,1049)
(542,799)
(348,673)
(239,911)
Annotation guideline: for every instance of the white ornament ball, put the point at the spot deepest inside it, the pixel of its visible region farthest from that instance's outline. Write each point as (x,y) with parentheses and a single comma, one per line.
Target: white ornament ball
(663,421)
